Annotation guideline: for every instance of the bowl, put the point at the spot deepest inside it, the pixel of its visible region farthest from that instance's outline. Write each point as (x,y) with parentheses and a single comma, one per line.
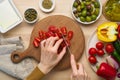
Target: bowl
(44,9)
(86,12)
(30,15)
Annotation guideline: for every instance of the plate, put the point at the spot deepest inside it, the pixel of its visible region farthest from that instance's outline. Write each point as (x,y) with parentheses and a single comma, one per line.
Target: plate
(91,43)
(9,15)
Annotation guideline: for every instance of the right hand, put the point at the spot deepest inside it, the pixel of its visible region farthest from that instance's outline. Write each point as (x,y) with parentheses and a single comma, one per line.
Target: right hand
(78,72)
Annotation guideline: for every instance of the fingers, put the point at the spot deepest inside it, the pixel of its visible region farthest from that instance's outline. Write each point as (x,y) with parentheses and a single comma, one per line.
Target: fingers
(81,69)
(53,40)
(43,43)
(73,65)
(62,53)
(57,44)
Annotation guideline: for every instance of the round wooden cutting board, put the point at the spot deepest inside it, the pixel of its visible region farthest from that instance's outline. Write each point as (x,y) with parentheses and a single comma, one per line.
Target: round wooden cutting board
(77,42)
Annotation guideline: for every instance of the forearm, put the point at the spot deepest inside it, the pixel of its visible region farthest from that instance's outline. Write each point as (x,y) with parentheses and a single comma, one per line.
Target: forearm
(36,74)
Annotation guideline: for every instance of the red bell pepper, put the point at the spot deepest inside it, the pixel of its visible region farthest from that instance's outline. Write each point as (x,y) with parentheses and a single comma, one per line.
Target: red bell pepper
(106,71)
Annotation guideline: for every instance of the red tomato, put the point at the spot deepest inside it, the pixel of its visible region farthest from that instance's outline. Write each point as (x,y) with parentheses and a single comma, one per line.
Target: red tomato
(49,34)
(92,51)
(109,48)
(68,43)
(118,29)
(52,28)
(92,59)
(70,35)
(41,33)
(38,39)
(63,30)
(36,44)
(100,52)
(99,45)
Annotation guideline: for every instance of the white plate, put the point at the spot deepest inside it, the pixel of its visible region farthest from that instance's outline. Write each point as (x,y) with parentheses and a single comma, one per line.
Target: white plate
(91,43)
(9,15)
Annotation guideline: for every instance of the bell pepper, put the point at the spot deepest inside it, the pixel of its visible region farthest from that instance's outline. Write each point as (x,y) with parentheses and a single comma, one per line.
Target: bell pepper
(107,32)
(106,71)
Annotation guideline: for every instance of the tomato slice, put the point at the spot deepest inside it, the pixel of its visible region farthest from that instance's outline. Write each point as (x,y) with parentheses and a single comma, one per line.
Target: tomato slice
(70,35)
(38,39)
(49,34)
(63,30)
(52,28)
(41,33)
(35,43)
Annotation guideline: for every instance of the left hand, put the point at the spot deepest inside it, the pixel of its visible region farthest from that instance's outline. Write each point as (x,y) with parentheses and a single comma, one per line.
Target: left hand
(49,54)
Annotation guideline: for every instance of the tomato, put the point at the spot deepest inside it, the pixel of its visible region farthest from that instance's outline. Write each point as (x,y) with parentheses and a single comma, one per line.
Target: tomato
(68,43)
(52,28)
(63,30)
(41,33)
(70,35)
(100,52)
(49,34)
(109,48)
(99,45)
(38,39)
(118,29)
(92,59)
(35,43)
(92,51)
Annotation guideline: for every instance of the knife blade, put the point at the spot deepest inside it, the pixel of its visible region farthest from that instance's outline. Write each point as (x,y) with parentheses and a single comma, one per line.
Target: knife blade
(66,43)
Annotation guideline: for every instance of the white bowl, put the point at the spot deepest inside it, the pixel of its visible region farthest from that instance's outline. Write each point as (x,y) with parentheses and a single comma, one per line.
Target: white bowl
(78,19)
(31,22)
(47,10)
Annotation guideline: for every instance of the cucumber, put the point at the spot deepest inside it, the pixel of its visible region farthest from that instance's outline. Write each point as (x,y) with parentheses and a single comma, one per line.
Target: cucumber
(116,56)
(116,45)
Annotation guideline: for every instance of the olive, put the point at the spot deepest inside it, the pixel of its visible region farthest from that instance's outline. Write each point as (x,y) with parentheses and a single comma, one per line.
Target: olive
(96,4)
(82,19)
(79,14)
(82,5)
(76,15)
(79,8)
(75,4)
(84,13)
(89,7)
(93,17)
(87,3)
(88,19)
(89,13)
(97,10)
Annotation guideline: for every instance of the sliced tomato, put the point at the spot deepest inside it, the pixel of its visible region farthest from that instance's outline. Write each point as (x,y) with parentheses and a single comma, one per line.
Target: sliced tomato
(70,35)
(63,30)
(52,28)
(38,39)
(41,34)
(35,43)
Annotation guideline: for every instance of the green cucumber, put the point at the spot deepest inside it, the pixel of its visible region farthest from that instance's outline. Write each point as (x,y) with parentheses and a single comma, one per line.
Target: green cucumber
(116,45)
(116,56)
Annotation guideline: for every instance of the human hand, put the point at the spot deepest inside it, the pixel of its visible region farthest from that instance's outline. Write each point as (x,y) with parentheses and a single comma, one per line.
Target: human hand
(49,54)
(78,71)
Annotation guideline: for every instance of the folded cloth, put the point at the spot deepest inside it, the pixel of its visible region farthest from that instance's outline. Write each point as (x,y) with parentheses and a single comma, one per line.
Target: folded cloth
(9,48)
(20,70)
(12,40)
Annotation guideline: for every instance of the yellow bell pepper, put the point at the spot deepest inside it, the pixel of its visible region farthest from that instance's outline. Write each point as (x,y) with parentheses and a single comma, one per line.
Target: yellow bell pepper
(107,32)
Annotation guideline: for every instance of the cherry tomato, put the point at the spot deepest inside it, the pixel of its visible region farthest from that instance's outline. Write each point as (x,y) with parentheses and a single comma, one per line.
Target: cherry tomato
(38,39)
(70,35)
(92,59)
(68,43)
(49,34)
(100,52)
(63,30)
(41,33)
(99,45)
(35,43)
(118,29)
(109,48)
(92,51)
(52,28)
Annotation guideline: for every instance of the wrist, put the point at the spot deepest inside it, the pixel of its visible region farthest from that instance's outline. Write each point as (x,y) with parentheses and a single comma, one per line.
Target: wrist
(43,68)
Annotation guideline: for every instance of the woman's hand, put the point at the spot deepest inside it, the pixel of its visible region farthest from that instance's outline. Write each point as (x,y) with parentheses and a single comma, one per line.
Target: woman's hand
(49,54)
(78,71)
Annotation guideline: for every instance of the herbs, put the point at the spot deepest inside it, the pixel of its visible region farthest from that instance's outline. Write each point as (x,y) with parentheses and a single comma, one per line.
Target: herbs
(47,4)
(30,14)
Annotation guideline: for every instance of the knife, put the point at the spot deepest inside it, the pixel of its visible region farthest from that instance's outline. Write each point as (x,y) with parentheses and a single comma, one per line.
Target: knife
(66,43)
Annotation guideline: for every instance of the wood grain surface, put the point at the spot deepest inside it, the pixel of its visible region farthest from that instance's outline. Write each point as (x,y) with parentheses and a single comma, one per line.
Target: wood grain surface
(77,42)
